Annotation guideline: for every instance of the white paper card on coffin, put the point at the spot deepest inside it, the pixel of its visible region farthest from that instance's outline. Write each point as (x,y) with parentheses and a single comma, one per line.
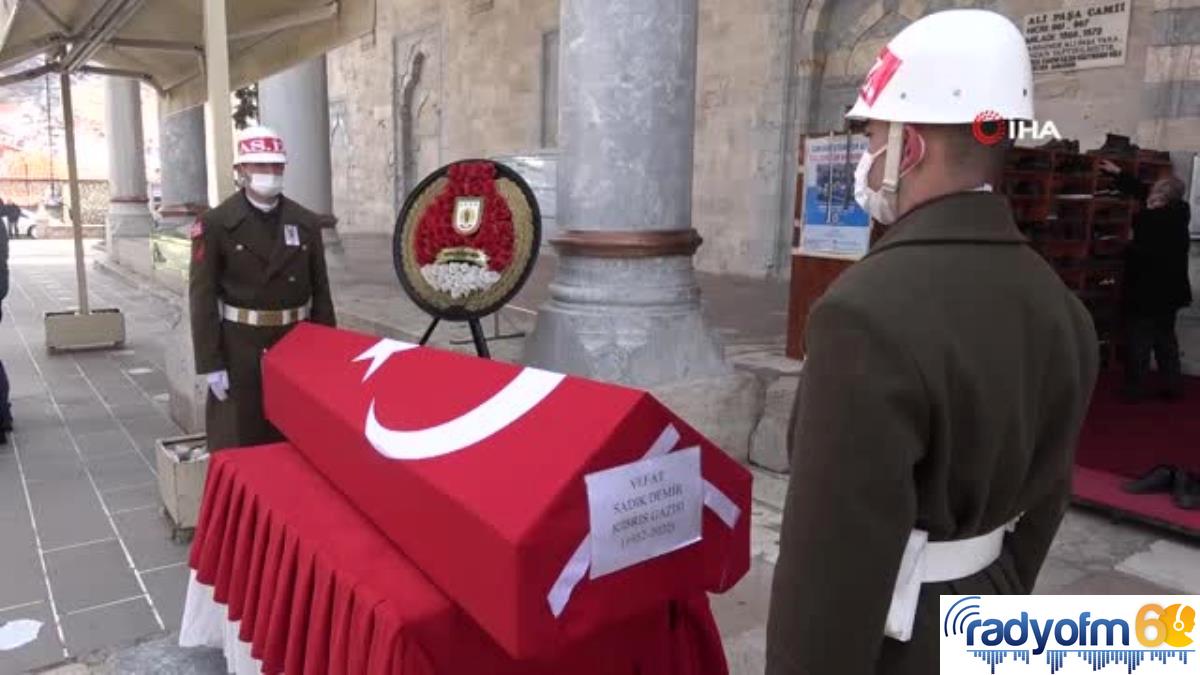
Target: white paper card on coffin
(644,509)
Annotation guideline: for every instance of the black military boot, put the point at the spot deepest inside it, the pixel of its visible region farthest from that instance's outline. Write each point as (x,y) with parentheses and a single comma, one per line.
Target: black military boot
(1186,493)
(1160,479)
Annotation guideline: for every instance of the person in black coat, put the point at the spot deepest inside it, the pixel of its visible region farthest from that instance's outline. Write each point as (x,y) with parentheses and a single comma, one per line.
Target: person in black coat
(5,411)
(10,214)
(1156,280)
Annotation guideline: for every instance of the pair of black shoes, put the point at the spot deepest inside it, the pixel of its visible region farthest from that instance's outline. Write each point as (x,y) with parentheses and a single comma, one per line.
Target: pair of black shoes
(1183,486)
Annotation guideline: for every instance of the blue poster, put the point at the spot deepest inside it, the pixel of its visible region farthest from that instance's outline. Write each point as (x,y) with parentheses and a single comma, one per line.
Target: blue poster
(833,224)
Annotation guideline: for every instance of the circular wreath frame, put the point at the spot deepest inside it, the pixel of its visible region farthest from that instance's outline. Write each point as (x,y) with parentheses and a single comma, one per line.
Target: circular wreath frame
(460,312)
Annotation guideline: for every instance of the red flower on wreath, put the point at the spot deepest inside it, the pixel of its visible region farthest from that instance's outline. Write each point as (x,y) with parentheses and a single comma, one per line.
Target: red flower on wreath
(495,235)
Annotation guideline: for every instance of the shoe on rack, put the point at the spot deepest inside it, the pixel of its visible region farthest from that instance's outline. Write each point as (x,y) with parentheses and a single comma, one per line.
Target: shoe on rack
(1027,189)
(1116,145)
(1161,478)
(1186,492)
(1065,145)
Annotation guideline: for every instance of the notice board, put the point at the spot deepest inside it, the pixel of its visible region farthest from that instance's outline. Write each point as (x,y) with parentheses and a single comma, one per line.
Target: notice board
(1095,36)
(833,225)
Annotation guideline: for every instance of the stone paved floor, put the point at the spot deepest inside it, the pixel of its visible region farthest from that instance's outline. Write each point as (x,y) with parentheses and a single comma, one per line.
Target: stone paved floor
(84,550)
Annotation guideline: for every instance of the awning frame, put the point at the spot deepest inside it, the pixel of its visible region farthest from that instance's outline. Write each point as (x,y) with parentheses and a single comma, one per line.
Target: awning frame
(66,51)
(71,50)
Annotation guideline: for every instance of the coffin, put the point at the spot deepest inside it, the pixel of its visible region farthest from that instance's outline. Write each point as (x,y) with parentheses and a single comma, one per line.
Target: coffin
(545,506)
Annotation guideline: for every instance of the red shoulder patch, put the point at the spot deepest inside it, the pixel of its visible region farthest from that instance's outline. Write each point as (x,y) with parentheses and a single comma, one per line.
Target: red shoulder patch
(197,229)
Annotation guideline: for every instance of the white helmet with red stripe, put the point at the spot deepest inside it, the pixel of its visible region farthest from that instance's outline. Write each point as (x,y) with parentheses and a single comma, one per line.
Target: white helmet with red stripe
(260,145)
(948,68)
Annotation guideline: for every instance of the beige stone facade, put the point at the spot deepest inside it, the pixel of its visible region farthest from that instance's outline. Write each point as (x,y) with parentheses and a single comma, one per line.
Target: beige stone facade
(448,80)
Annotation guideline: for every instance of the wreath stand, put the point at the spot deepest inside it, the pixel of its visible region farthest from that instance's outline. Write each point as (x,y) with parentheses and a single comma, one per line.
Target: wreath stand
(477,336)
(530,225)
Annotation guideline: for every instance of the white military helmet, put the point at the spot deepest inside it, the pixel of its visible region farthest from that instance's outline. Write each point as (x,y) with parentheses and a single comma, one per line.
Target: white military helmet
(259,145)
(949,68)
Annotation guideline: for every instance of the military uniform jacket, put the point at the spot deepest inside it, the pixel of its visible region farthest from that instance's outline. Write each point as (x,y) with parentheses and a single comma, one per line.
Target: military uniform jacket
(246,258)
(947,377)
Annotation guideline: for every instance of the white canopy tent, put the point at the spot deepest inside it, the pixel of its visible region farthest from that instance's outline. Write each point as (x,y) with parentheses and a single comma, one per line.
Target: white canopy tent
(191,52)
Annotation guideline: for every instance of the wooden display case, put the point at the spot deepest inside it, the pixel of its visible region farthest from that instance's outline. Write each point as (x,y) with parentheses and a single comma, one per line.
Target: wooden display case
(1075,218)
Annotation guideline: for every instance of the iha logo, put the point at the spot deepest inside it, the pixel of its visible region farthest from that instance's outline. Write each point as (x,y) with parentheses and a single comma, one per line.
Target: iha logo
(989,128)
(1108,632)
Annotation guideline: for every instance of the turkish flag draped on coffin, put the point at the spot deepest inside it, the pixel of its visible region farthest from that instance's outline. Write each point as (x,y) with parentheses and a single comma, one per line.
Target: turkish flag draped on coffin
(476,470)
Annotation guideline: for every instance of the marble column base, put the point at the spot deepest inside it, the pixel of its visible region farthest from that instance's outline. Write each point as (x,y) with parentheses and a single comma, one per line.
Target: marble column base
(188,391)
(634,321)
(127,235)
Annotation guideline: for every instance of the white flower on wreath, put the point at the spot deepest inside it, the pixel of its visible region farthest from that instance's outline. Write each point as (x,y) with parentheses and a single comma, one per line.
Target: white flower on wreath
(459,279)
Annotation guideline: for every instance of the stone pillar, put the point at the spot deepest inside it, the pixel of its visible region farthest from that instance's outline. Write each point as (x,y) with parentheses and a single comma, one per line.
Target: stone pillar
(129,222)
(295,103)
(183,159)
(1170,103)
(184,196)
(625,306)
(1171,121)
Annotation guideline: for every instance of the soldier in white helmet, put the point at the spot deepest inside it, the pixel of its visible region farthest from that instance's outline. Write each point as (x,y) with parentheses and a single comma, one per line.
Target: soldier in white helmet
(947,378)
(258,268)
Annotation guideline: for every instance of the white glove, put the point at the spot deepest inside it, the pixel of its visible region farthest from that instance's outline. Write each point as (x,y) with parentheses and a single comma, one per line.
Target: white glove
(218,382)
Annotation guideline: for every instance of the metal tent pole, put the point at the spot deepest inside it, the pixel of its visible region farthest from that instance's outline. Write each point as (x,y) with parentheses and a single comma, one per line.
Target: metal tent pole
(220,126)
(73,182)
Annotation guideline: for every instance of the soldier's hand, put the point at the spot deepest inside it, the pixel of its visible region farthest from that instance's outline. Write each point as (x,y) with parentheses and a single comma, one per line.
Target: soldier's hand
(218,382)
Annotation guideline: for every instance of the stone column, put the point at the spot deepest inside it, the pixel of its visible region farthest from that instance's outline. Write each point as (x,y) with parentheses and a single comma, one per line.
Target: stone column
(184,172)
(625,306)
(129,222)
(1170,100)
(1171,121)
(295,103)
(184,196)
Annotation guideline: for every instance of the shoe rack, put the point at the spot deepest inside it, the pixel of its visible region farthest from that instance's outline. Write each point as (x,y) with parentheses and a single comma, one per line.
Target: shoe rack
(1076,219)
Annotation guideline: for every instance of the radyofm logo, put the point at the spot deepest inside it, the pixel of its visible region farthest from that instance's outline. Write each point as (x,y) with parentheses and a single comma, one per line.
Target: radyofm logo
(1069,634)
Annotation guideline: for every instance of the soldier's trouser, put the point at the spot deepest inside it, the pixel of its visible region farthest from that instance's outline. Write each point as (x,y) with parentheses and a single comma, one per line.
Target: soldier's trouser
(239,420)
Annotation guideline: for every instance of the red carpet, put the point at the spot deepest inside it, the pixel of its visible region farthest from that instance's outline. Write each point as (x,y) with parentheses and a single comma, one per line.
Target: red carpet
(1103,489)
(1122,441)
(1131,439)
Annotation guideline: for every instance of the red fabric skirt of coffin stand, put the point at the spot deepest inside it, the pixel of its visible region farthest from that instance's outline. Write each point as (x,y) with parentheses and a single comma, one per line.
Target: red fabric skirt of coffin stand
(319,590)
(1122,441)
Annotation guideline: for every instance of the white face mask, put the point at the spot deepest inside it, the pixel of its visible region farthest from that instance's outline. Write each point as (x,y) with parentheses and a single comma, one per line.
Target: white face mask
(874,202)
(266,185)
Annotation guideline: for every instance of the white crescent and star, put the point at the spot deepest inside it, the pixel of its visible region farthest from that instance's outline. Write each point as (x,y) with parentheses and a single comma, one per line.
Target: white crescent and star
(528,389)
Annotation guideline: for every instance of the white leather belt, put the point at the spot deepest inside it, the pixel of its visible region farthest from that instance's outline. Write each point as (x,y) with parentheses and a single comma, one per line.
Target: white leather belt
(926,562)
(265,317)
